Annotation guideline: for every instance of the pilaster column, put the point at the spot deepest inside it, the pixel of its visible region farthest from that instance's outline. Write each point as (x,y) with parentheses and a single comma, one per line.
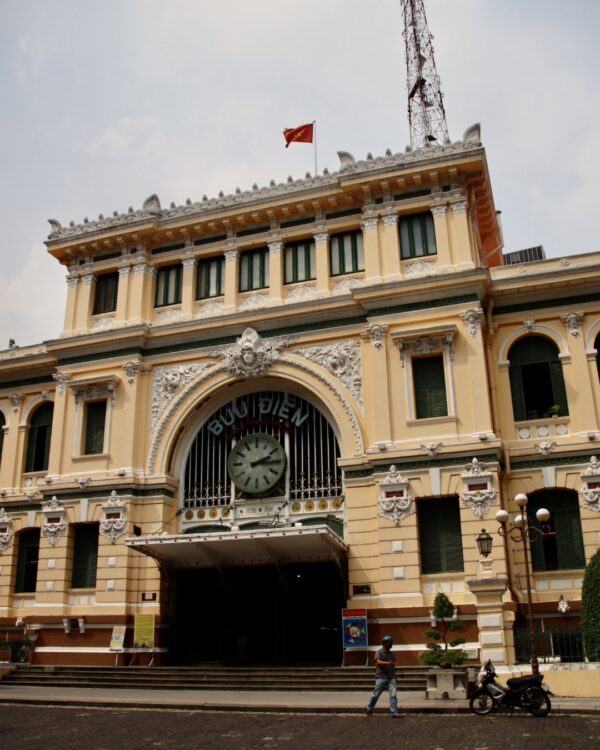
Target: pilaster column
(377,398)
(390,250)
(371,244)
(577,375)
(123,294)
(494,625)
(232,272)
(442,237)
(85,300)
(460,239)
(321,238)
(71,306)
(188,286)
(141,298)
(276,270)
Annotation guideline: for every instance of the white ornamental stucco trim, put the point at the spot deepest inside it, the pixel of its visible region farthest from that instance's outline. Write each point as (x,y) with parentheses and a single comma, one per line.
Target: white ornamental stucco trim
(166,381)
(342,360)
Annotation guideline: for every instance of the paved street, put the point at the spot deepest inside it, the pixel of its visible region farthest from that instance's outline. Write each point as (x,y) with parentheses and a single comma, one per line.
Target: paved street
(46,728)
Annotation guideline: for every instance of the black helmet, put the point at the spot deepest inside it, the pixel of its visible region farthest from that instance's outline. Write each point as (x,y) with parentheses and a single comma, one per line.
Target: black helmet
(387,639)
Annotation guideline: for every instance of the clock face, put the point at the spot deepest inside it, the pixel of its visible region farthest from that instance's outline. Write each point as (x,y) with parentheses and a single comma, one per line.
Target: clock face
(256,463)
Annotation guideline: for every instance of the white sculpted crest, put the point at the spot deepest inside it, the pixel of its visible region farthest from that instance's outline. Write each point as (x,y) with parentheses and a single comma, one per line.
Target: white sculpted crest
(166,381)
(251,355)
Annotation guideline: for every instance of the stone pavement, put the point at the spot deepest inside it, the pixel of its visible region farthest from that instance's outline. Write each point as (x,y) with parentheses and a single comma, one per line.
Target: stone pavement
(262,701)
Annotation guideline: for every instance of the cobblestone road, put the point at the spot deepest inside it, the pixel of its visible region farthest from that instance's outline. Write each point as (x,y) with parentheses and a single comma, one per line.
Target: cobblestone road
(47,728)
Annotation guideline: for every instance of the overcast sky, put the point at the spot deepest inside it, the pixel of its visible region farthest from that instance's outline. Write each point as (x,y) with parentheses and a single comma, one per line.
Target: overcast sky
(108,101)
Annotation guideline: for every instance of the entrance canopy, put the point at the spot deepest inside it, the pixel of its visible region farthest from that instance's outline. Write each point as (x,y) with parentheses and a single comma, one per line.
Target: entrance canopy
(268,546)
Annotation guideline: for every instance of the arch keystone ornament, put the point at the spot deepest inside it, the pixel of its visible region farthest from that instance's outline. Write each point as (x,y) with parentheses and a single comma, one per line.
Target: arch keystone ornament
(590,492)
(54,526)
(395,500)
(251,355)
(478,494)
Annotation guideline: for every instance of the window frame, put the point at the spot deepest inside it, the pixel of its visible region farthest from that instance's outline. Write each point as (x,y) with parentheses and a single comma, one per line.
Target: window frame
(428,242)
(90,440)
(21,574)
(168,285)
(105,293)
(425,399)
(433,542)
(203,278)
(292,250)
(81,557)
(337,253)
(34,462)
(563,539)
(247,259)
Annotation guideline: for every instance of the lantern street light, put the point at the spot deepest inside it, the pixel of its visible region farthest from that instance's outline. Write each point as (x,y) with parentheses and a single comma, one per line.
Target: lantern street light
(519,529)
(484,543)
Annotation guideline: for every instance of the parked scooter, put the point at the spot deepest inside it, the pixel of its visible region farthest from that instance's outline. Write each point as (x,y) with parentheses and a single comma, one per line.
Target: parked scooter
(528,693)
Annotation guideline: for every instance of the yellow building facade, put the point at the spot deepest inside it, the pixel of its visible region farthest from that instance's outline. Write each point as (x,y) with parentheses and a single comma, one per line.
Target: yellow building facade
(270,406)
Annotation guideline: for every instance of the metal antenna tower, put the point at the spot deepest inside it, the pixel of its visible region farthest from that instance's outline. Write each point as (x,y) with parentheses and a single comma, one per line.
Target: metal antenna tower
(426,115)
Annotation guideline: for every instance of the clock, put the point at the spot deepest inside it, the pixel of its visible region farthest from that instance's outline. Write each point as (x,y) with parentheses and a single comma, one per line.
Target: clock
(256,463)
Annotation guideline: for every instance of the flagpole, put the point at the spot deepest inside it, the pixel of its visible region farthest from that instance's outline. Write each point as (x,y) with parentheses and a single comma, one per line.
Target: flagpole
(315,129)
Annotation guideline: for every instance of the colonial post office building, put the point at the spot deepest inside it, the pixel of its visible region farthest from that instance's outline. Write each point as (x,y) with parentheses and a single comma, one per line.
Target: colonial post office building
(268,406)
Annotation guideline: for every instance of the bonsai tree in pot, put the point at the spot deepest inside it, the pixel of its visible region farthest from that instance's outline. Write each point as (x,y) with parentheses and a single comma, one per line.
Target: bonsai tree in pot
(442,652)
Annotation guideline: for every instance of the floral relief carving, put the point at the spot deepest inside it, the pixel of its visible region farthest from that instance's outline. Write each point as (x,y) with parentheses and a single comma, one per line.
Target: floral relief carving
(6,531)
(342,360)
(376,335)
(166,381)
(472,320)
(395,500)
(590,492)
(475,497)
(114,521)
(54,526)
(254,301)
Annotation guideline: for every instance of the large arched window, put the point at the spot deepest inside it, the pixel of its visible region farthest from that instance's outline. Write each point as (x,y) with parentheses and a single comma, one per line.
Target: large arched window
(536,379)
(597,348)
(38,440)
(561,545)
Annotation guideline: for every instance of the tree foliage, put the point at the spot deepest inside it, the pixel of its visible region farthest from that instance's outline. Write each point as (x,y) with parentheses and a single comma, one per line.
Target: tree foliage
(590,608)
(445,653)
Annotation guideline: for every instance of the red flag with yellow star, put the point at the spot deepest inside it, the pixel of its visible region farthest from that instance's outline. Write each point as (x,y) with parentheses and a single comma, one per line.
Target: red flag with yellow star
(302,134)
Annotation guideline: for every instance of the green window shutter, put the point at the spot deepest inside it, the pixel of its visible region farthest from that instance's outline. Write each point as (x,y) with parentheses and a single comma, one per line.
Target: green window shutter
(516,389)
(94,429)
(565,544)
(105,296)
(440,536)
(558,387)
(569,539)
(85,556)
(27,561)
(38,439)
(430,387)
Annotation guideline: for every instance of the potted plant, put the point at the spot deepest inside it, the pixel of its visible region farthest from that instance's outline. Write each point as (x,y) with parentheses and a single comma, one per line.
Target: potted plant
(442,652)
(554,410)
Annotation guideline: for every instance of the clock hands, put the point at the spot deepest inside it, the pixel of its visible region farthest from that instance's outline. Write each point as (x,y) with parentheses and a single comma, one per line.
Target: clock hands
(264,460)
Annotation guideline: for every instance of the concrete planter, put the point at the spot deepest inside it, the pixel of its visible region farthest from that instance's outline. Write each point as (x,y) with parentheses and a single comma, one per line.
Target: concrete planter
(446,684)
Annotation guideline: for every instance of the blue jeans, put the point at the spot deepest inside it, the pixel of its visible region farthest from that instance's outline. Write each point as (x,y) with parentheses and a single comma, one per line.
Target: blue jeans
(381,684)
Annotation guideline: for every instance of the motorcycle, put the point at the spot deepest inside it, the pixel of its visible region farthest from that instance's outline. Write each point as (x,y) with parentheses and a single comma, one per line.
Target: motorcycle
(528,693)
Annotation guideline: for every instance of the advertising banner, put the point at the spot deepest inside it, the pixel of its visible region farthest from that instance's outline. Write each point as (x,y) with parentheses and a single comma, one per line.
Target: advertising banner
(143,631)
(117,638)
(354,628)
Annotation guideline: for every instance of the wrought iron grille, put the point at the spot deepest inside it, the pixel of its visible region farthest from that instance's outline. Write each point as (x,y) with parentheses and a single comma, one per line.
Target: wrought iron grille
(309,441)
(563,644)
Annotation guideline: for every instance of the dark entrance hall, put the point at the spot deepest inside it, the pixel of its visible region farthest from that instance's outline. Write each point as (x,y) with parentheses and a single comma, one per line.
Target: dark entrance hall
(267,615)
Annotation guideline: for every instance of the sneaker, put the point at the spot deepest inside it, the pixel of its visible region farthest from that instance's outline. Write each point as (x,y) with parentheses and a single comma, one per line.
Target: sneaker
(369,711)
(394,716)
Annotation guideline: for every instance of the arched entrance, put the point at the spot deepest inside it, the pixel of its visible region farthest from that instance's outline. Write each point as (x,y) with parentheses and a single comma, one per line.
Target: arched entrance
(263,576)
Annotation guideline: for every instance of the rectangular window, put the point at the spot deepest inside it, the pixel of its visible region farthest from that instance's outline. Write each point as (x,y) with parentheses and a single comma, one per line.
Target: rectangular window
(210,278)
(560,546)
(346,253)
(95,421)
(27,561)
(440,539)
(417,236)
(300,261)
(168,286)
(85,556)
(254,269)
(105,295)
(429,386)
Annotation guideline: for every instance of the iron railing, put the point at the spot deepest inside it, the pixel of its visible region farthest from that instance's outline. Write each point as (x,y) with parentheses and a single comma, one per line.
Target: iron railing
(563,645)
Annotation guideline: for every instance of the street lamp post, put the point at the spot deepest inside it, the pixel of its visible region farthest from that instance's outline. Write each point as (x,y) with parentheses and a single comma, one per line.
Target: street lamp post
(519,529)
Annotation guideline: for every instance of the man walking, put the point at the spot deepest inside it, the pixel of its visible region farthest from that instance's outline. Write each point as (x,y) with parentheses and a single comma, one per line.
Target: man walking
(385,676)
